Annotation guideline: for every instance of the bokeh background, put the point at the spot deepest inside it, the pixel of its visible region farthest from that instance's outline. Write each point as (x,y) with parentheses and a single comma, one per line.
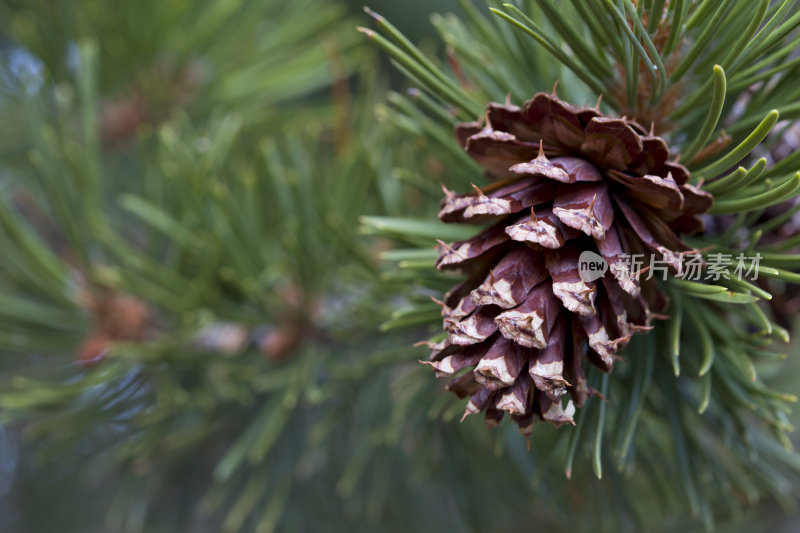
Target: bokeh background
(191,307)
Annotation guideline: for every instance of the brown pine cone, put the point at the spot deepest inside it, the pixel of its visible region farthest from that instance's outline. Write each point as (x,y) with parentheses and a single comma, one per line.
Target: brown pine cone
(566,180)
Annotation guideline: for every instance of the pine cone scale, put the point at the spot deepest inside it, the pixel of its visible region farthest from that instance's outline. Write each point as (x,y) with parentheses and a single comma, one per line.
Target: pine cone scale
(585,207)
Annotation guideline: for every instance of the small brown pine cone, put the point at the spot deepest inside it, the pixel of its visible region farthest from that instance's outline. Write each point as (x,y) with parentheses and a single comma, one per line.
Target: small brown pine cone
(566,180)
(115,317)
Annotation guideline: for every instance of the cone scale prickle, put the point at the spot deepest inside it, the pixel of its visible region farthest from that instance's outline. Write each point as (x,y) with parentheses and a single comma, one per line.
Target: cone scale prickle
(565,180)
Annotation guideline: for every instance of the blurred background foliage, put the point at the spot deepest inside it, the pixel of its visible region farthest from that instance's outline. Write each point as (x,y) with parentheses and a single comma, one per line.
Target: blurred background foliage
(190,312)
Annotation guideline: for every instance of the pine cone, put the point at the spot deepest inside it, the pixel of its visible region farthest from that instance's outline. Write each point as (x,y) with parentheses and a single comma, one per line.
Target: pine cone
(566,180)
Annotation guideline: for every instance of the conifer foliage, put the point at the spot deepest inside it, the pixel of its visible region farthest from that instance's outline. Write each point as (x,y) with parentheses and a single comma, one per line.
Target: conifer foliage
(676,157)
(198,333)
